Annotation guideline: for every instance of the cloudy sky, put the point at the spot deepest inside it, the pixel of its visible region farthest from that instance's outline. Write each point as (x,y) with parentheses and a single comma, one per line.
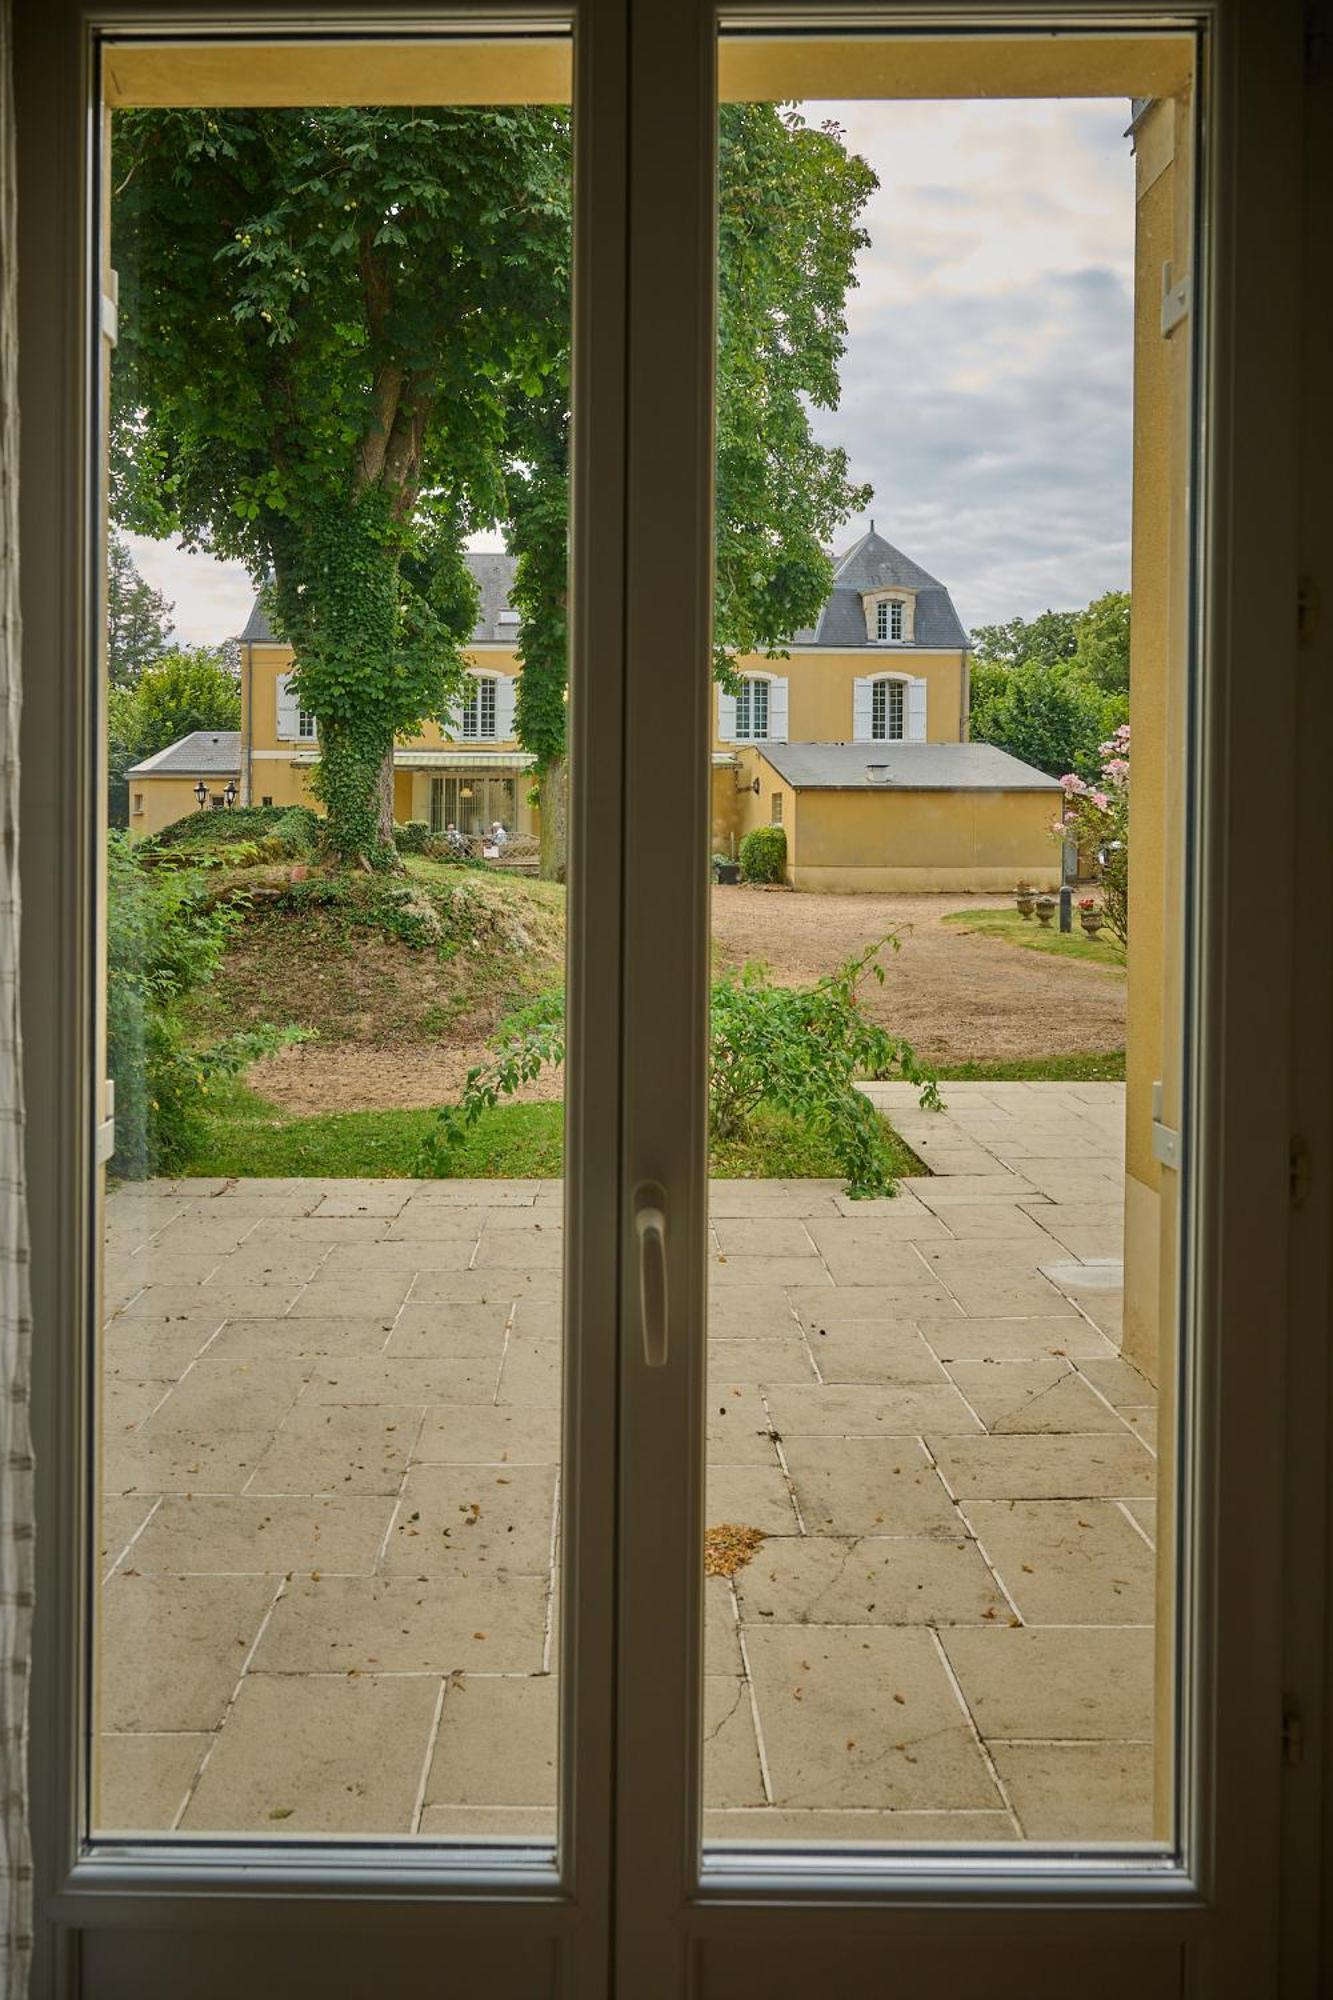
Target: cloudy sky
(987,381)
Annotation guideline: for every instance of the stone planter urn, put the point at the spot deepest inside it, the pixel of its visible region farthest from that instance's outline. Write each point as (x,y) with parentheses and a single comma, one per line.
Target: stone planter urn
(1045,911)
(1024,899)
(1091,921)
(729,873)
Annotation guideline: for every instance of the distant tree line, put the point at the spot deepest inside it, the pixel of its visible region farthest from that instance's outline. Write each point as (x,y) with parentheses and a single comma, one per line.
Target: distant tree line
(159,691)
(1052,689)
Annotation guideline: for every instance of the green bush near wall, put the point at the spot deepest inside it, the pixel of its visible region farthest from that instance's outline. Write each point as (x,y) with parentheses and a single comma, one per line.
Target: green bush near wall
(763,855)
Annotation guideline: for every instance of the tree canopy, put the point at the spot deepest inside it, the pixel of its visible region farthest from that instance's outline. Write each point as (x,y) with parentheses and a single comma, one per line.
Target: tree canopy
(345,348)
(324,315)
(138,618)
(790,198)
(1053,689)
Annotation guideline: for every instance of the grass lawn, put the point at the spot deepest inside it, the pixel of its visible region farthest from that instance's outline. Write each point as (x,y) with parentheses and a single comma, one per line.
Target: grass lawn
(1093,1068)
(251,1139)
(1026,931)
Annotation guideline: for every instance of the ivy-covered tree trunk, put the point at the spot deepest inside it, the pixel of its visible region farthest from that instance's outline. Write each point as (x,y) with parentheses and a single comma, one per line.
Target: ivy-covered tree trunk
(554,788)
(337,598)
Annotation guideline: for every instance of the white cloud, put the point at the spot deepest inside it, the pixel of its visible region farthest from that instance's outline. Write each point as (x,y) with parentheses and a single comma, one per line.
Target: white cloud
(987,385)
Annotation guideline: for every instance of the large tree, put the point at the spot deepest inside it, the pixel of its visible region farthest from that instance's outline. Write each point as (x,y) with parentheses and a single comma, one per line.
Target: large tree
(790,198)
(138,618)
(324,314)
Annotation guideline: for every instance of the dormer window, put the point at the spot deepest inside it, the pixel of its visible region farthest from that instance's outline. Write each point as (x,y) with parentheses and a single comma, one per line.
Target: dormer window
(890,615)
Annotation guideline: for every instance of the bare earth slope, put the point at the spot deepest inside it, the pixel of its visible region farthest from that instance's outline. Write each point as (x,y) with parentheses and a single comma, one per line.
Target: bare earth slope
(398,1028)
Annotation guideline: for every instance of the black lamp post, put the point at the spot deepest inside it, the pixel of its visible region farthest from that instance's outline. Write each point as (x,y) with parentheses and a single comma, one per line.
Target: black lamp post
(201,793)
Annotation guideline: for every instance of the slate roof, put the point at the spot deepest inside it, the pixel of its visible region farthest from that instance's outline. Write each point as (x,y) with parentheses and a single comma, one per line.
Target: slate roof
(874,564)
(914,767)
(493,574)
(204,753)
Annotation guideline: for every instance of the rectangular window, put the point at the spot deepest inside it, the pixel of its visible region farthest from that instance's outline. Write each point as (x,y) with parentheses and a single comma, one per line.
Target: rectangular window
(888,620)
(479,710)
(267,799)
(306,726)
(752,711)
(138,802)
(886,711)
(775,811)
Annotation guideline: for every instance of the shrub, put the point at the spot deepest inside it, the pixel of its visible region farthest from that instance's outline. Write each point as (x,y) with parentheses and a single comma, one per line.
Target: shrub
(165,938)
(763,855)
(412,837)
(295,828)
(797,1050)
(1096,819)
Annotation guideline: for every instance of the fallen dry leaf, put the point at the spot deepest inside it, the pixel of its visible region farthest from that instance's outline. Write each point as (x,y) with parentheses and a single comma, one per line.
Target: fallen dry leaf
(728,1548)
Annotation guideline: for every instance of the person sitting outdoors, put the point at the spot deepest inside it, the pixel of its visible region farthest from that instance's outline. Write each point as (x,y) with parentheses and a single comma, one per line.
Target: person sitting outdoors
(499,837)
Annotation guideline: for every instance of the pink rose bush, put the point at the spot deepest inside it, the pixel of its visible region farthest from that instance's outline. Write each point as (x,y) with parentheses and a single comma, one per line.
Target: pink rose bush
(1096,817)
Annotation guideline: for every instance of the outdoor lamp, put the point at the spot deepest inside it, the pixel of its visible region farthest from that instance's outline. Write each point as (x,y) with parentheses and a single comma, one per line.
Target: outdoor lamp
(230,794)
(201,791)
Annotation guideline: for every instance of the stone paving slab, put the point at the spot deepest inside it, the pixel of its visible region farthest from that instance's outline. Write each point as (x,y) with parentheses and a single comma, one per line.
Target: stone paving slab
(331,1528)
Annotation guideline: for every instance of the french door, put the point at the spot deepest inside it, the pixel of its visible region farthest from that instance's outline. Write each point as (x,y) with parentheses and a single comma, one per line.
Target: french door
(623,1894)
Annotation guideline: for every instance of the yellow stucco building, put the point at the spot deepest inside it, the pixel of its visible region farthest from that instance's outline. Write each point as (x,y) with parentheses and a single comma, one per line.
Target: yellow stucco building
(856,744)
(855,741)
(468,770)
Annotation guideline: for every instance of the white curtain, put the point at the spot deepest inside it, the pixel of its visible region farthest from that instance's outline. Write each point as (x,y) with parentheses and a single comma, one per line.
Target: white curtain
(16,1518)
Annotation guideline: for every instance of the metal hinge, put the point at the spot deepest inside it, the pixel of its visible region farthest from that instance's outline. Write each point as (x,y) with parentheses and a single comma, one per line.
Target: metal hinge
(1293,1732)
(1298,1173)
(1165,1139)
(104,1133)
(1175,300)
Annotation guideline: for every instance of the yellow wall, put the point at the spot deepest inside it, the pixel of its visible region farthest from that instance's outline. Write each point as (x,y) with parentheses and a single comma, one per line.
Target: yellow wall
(165,800)
(270,759)
(820,689)
(260,668)
(898,840)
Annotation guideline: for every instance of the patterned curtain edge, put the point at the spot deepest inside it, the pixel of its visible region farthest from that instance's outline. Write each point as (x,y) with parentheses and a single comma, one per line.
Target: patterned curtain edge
(16,1466)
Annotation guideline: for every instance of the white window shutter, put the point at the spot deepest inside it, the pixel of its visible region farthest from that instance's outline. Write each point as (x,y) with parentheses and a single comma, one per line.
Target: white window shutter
(289,727)
(862,714)
(506,694)
(916,711)
(777,710)
(726,716)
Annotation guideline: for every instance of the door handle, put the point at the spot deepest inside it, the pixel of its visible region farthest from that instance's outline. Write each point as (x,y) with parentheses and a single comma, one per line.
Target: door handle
(650,1225)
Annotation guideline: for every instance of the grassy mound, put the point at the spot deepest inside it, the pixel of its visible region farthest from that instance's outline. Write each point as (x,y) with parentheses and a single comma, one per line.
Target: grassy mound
(436,954)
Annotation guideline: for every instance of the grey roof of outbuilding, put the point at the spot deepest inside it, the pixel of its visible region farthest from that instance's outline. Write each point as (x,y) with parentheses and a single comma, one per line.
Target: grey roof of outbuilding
(493,574)
(874,564)
(915,767)
(204,753)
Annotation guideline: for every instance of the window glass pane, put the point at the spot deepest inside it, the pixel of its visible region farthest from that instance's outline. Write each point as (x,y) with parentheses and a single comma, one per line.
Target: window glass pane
(330,1374)
(943,1251)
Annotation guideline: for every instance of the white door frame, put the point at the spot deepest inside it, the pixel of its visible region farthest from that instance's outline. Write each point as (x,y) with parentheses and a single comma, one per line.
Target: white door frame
(125,1928)
(1050,1926)
(324,1917)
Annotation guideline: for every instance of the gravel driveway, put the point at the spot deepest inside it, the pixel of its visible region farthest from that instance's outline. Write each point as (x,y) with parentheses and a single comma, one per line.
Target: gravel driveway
(956,998)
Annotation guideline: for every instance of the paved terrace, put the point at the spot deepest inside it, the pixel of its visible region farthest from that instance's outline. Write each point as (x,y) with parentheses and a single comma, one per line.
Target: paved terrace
(332,1496)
